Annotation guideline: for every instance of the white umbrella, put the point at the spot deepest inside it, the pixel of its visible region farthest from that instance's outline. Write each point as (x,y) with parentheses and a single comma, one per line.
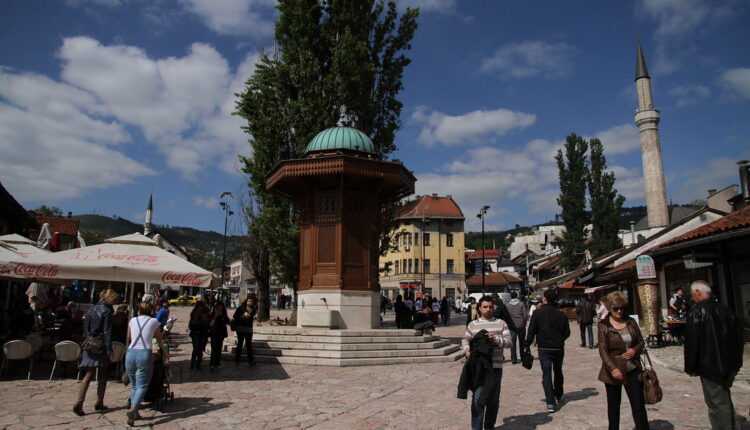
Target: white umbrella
(24,246)
(129,258)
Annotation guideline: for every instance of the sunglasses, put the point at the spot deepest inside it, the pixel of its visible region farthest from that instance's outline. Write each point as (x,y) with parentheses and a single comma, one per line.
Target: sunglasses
(617,309)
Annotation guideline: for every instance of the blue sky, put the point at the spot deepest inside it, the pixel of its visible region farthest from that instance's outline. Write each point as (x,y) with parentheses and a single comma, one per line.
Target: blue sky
(103,101)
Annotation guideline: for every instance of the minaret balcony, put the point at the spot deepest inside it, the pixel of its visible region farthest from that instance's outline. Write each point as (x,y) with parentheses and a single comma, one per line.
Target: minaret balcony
(646,117)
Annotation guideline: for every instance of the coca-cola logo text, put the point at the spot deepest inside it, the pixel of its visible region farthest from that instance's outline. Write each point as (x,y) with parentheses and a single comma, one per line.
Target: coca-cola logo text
(189,278)
(134,259)
(37,270)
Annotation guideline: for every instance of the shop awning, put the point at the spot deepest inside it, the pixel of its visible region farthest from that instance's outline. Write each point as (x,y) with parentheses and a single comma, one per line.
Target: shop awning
(600,287)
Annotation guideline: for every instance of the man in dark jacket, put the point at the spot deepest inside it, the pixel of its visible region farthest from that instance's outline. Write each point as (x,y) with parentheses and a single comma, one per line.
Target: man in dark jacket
(585,315)
(713,351)
(550,327)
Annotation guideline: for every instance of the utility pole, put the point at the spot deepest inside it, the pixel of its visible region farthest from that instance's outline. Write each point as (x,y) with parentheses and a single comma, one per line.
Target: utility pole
(482,213)
(227,213)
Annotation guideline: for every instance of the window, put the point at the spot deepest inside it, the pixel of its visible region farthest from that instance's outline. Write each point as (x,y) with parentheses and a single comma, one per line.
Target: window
(416,239)
(426,239)
(409,236)
(428,291)
(449,239)
(397,267)
(403,239)
(416,265)
(450,292)
(426,265)
(409,266)
(403,266)
(449,266)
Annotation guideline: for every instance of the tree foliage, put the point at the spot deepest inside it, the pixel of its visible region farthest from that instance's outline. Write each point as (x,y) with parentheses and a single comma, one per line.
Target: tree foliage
(604,201)
(49,211)
(331,57)
(573,171)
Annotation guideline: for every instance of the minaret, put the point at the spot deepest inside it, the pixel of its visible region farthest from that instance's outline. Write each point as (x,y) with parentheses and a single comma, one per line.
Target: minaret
(647,120)
(149,215)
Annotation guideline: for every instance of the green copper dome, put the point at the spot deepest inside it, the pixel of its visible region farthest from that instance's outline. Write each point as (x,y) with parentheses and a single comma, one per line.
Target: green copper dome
(341,138)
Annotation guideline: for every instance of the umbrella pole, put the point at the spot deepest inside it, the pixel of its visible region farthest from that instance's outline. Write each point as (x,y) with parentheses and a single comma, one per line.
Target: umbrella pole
(7,294)
(132,299)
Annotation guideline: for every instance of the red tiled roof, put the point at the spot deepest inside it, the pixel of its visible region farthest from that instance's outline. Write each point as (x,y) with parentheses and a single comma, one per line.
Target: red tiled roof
(549,263)
(622,267)
(732,221)
(493,278)
(489,253)
(430,206)
(67,226)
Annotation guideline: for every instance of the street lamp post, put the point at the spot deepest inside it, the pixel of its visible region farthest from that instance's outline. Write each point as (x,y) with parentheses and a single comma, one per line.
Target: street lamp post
(482,213)
(227,213)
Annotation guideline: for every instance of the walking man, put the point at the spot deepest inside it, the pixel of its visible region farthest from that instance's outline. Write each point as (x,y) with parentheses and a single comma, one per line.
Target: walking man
(550,327)
(713,351)
(585,314)
(499,335)
(519,315)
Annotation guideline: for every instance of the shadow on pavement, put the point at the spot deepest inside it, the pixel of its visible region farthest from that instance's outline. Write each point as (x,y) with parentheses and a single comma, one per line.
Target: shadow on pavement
(229,371)
(525,421)
(660,425)
(186,407)
(580,395)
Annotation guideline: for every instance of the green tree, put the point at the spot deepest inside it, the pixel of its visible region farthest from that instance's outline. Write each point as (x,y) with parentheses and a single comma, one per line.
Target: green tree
(604,201)
(49,211)
(331,58)
(573,171)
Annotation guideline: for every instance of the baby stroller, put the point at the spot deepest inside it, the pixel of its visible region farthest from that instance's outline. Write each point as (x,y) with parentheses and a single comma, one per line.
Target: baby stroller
(159,391)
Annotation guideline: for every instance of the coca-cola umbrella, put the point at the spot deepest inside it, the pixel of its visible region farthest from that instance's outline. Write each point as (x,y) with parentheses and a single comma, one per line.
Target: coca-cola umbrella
(129,258)
(22,245)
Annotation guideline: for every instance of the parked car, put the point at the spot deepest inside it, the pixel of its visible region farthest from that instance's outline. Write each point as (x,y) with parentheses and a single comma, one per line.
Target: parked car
(183,301)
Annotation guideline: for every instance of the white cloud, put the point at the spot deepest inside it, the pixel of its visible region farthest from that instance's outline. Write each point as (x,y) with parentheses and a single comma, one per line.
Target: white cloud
(737,81)
(440,6)
(54,142)
(620,139)
(686,95)
(715,173)
(235,17)
(677,18)
(206,202)
(182,105)
(470,128)
(530,58)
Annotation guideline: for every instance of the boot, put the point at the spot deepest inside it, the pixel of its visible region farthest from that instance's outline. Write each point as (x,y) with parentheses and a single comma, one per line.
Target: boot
(132,414)
(192,362)
(78,407)
(101,388)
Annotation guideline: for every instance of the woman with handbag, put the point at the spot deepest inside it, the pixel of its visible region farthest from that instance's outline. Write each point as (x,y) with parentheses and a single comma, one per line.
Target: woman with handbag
(141,331)
(198,327)
(242,321)
(620,347)
(218,332)
(97,349)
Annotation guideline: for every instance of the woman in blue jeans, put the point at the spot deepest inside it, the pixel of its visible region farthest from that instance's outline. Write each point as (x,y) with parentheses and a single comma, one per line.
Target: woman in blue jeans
(141,331)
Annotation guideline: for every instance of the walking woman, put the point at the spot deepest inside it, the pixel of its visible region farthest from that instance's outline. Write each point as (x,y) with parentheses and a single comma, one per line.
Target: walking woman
(620,347)
(198,327)
(243,323)
(141,331)
(98,324)
(217,330)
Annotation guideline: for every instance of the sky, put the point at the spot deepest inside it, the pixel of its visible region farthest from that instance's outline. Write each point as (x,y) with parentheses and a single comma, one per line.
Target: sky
(103,102)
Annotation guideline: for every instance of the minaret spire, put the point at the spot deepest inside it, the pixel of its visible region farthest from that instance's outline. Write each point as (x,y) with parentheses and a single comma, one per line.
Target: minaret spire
(149,215)
(647,120)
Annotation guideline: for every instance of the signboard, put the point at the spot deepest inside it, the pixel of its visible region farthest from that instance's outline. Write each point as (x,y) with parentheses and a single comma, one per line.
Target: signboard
(645,267)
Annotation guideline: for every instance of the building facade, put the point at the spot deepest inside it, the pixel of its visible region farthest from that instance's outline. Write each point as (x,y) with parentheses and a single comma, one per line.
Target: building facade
(430,258)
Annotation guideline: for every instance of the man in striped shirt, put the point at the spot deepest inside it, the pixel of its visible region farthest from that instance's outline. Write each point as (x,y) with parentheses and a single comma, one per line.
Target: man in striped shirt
(499,334)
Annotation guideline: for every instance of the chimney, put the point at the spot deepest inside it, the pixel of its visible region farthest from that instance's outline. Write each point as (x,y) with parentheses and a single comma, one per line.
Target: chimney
(745,180)
(70,214)
(434,195)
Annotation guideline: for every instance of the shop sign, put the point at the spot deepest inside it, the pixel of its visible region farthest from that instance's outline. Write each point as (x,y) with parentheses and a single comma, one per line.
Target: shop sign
(645,267)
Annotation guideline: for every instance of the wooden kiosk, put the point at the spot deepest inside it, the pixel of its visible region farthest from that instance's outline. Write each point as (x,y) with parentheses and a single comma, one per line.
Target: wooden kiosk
(339,187)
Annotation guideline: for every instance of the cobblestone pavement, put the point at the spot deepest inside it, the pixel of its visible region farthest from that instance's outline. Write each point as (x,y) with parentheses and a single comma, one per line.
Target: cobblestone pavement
(270,396)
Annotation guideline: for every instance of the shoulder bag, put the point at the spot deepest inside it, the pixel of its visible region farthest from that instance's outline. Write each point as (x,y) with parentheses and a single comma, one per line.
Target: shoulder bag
(652,392)
(92,343)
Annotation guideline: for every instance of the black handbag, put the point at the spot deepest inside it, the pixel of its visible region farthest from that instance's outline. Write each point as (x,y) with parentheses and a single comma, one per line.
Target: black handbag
(526,358)
(233,325)
(93,345)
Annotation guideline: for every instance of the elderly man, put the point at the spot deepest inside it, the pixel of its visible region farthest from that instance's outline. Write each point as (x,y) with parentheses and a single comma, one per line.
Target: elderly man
(713,351)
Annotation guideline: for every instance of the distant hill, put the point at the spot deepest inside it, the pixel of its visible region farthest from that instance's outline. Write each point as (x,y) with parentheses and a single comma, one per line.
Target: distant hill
(203,247)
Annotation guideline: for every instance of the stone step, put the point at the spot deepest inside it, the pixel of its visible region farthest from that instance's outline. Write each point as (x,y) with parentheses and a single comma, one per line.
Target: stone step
(305,338)
(349,346)
(287,330)
(346,362)
(315,353)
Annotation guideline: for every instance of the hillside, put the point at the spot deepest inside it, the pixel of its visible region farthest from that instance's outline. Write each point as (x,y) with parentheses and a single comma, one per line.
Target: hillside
(203,247)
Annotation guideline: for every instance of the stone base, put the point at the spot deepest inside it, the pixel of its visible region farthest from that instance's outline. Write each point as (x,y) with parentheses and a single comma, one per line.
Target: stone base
(338,309)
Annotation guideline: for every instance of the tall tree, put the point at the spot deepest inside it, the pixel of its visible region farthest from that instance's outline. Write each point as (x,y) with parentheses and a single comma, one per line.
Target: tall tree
(573,171)
(604,201)
(334,60)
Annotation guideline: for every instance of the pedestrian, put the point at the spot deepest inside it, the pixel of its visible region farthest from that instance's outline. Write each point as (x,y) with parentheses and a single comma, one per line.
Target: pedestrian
(423,321)
(471,310)
(678,305)
(620,348)
(485,406)
(585,315)
(435,310)
(243,322)
(383,304)
(198,327)
(217,331)
(120,324)
(418,304)
(445,310)
(97,324)
(141,331)
(162,315)
(501,311)
(713,350)
(550,327)
(519,315)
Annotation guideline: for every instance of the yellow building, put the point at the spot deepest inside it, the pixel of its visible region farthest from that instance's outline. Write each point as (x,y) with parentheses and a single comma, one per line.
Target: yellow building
(430,255)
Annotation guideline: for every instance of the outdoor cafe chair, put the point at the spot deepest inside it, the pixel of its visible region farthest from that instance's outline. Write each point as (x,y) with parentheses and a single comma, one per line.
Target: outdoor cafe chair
(119,349)
(66,350)
(18,350)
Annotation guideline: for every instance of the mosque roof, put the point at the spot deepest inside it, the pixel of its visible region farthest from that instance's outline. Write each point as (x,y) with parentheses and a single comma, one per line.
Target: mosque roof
(346,138)
(640,64)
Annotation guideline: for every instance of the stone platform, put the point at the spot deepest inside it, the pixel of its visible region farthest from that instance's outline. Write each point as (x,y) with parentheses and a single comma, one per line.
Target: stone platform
(321,347)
